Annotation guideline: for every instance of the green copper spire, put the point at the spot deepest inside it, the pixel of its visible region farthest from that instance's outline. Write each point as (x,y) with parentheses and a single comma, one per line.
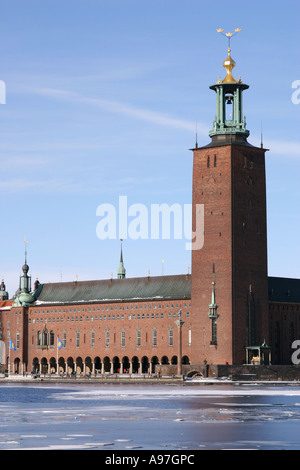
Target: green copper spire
(23,296)
(229,120)
(121,270)
(213,315)
(212,306)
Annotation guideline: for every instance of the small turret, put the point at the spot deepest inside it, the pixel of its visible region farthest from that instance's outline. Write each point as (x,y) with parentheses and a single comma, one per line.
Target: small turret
(121,271)
(23,295)
(3,292)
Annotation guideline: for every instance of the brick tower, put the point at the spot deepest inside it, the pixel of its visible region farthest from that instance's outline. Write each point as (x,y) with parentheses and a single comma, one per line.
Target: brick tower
(229,273)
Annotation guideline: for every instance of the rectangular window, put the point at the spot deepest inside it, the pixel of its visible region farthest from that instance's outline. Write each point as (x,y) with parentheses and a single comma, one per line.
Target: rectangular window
(77,339)
(190,337)
(107,339)
(171,337)
(214,331)
(51,338)
(138,338)
(154,339)
(123,338)
(92,339)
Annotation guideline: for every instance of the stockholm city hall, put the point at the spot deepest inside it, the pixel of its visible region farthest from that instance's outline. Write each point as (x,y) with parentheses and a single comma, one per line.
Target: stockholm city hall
(227,312)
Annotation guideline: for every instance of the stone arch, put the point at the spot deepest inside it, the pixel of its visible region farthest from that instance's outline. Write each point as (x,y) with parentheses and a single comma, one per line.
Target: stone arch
(135,364)
(79,365)
(164,360)
(97,364)
(70,365)
(53,365)
(17,365)
(174,360)
(116,365)
(125,364)
(106,364)
(145,365)
(61,365)
(44,365)
(35,366)
(88,365)
(154,363)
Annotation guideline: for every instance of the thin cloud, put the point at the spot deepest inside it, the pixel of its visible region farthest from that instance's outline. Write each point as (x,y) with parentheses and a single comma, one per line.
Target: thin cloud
(76,186)
(288,149)
(21,184)
(117,107)
(277,147)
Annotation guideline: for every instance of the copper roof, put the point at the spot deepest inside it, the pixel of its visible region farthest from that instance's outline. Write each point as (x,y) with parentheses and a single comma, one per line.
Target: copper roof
(117,290)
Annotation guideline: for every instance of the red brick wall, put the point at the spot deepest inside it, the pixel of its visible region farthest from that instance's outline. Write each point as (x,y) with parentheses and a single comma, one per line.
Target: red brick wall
(66,320)
(212,187)
(234,255)
(250,281)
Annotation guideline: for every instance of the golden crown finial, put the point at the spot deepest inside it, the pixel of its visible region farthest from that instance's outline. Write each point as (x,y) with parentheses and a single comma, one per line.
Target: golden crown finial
(229,35)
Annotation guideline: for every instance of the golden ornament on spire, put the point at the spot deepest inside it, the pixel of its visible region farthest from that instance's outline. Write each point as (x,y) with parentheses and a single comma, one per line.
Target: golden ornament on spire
(229,63)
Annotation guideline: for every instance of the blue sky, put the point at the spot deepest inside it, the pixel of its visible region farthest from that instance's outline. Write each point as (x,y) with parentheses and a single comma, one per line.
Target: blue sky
(102,100)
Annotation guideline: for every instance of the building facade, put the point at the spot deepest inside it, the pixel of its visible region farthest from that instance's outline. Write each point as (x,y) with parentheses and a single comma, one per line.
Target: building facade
(226,311)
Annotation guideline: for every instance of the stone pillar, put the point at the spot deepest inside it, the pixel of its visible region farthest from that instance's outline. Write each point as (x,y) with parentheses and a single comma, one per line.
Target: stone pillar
(179,324)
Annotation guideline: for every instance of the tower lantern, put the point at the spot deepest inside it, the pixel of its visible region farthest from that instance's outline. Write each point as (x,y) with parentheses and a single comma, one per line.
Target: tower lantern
(229,123)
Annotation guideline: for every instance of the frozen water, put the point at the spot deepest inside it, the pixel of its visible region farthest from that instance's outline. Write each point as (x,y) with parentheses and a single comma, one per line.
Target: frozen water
(124,417)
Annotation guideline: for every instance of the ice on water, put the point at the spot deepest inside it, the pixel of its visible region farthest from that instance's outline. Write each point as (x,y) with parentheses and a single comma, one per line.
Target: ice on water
(223,416)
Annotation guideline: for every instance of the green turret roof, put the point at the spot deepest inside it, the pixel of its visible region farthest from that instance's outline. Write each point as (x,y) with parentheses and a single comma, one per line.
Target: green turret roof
(121,271)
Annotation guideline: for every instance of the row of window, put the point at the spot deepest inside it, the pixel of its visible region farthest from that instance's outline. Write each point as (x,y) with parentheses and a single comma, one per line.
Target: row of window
(212,161)
(283,306)
(94,309)
(104,317)
(47,339)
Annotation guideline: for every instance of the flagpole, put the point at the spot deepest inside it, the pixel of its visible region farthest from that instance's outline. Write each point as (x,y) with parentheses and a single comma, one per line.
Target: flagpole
(59,346)
(9,359)
(11,346)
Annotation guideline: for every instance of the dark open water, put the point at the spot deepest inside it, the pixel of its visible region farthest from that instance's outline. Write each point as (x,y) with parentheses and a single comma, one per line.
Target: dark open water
(156,417)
